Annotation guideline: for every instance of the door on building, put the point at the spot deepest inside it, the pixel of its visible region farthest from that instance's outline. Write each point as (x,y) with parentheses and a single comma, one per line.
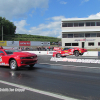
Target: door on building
(82,44)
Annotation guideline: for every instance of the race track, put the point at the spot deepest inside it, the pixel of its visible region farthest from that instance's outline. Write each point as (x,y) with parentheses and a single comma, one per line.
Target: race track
(53,80)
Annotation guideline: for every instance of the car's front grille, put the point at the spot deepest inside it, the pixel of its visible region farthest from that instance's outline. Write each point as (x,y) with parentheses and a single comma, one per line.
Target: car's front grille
(31,62)
(31,57)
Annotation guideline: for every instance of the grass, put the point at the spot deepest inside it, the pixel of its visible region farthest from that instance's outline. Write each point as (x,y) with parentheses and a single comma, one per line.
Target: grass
(93,49)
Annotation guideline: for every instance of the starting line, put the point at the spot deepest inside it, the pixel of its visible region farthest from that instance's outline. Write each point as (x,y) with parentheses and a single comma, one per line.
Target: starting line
(75,60)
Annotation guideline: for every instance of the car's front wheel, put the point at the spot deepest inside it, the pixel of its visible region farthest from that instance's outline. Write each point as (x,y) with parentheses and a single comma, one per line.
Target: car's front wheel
(76,53)
(58,55)
(31,66)
(13,65)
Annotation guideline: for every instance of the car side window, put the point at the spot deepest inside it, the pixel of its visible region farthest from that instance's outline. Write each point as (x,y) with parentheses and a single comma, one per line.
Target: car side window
(1,52)
(65,48)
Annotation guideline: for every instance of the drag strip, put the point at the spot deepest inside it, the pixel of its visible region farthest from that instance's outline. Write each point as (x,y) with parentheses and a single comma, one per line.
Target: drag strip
(66,80)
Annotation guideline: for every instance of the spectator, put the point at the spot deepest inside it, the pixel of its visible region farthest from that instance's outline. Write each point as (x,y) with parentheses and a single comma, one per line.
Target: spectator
(45,48)
(38,48)
(49,48)
(1,47)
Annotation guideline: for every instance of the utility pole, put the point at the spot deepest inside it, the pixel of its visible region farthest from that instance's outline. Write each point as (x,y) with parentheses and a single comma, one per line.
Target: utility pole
(2,32)
(1,23)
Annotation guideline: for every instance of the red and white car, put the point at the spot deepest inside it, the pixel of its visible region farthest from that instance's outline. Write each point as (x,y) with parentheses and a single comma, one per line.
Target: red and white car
(16,58)
(56,48)
(69,51)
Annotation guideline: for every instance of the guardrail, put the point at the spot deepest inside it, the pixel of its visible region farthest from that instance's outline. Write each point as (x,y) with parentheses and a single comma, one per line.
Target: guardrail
(88,53)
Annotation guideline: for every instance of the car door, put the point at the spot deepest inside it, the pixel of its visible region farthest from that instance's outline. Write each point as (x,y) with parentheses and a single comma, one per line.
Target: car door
(65,51)
(2,54)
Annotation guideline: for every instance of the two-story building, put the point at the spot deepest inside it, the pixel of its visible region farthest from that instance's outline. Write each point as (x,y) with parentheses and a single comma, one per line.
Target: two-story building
(81,32)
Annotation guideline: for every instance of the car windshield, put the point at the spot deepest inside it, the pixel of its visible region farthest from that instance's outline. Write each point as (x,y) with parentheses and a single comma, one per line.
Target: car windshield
(67,48)
(12,51)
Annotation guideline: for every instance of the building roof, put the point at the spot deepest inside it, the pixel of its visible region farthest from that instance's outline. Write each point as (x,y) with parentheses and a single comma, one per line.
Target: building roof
(80,19)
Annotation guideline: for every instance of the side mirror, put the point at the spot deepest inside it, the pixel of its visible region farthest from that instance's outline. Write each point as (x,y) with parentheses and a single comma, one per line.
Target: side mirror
(2,54)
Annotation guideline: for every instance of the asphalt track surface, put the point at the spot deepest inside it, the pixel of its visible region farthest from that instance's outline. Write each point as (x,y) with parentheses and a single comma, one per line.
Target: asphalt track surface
(51,80)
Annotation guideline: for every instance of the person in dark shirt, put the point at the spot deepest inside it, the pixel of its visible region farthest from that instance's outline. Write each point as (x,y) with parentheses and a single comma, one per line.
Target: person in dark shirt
(1,47)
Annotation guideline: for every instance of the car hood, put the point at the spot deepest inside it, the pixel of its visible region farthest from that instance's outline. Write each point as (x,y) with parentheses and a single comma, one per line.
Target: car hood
(24,54)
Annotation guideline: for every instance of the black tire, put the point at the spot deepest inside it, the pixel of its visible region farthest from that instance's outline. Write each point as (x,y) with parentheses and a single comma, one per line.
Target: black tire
(76,53)
(13,65)
(81,54)
(58,55)
(31,66)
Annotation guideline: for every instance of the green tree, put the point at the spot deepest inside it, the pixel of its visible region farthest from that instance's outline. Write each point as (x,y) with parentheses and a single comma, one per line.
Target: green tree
(8,27)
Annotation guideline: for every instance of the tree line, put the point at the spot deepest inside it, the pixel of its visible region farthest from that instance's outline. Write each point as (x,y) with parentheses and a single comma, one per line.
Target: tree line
(8,27)
(9,30)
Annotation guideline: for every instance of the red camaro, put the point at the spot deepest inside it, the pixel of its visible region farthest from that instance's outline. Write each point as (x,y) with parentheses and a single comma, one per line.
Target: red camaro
(15,58)
(69,51)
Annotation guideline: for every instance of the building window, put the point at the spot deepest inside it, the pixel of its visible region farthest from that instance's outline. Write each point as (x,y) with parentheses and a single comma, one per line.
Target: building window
(76,35)
(67,44)
(75,24)
(64,35)
(93,34)
(98,43)
(81,34)
(87,34)
(64,24)
(98,34)
(81,24)
(70,35)
(70,24)
(90,23)
(98,23)
(75,44)
(91,44)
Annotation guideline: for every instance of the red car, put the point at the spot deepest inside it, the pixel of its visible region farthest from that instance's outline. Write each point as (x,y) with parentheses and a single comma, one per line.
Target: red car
(56,48)
(15,58)
(69,51)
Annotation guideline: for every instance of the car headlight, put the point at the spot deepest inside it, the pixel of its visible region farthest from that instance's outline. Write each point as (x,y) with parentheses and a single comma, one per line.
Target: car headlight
(35,55)
(22,58)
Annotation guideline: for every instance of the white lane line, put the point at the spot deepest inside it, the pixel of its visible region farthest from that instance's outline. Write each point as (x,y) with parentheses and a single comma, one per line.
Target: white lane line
(38,91)
(70,65)
(56,64)
(94,67)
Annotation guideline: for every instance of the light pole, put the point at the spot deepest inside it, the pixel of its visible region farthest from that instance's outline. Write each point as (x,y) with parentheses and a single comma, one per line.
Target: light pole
(2,32)
(2,29)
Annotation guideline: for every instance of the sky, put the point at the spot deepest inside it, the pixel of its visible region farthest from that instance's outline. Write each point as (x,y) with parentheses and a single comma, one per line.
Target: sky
(43,17)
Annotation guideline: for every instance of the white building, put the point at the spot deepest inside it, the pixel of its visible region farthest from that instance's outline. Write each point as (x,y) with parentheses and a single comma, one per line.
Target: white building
(81,32)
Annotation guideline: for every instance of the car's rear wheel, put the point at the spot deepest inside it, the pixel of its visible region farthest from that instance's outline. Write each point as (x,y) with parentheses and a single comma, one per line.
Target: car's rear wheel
(76,53)
(31,66)
(13,65)
(58,55)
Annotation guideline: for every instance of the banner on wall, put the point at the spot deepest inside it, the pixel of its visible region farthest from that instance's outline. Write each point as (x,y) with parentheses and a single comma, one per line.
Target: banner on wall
(84,40)
(12,43)
(45,43)
(24,43)
(35,43)
(3,43)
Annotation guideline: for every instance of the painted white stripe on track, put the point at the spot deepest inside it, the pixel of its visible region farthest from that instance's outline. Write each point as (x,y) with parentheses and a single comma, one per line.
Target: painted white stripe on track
(70,65)
(38,91)
(56,64)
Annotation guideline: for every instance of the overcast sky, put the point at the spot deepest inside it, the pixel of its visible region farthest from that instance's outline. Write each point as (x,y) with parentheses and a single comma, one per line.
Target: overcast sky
(43,17)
